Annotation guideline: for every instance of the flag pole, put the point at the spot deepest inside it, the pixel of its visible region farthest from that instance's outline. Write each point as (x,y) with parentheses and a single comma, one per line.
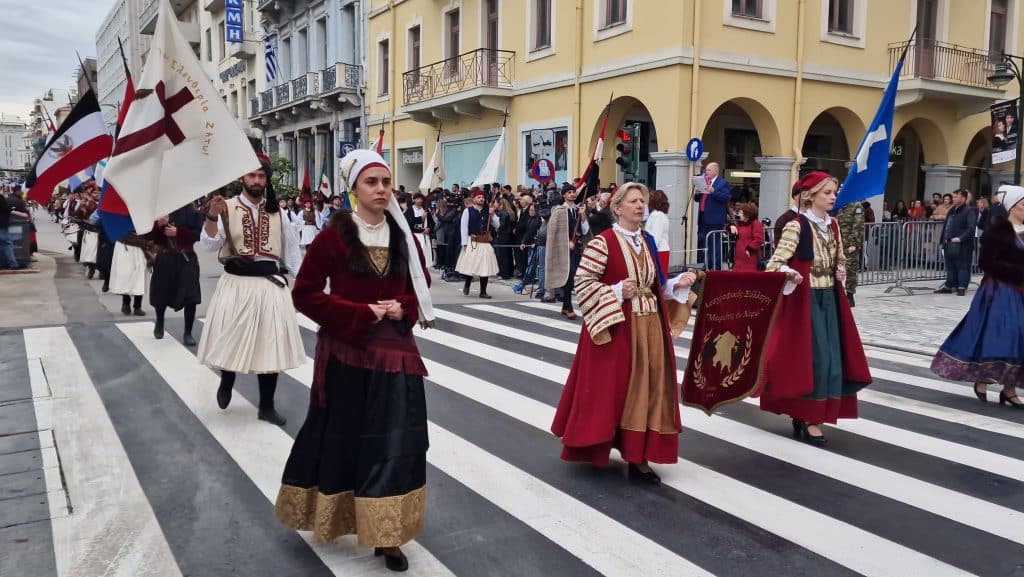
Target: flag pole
(86,72)
(124,59)
(906,46)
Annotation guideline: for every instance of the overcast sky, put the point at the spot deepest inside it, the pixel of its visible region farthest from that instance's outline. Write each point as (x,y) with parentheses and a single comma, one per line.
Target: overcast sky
(38,43)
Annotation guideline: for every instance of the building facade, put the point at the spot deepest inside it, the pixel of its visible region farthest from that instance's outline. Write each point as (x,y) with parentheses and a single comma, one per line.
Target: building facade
(232,42)
(122,22)
(12,144)
(769,86)
(311,110)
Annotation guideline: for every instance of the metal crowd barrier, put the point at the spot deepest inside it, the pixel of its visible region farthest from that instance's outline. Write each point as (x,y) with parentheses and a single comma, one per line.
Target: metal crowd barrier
(726,245)
(894,253)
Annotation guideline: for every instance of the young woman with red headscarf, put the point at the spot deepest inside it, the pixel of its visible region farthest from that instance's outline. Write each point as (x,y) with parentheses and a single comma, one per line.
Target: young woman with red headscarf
(815,360)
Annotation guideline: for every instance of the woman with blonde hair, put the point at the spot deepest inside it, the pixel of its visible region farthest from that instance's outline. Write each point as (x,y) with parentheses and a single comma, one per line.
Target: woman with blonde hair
(622,392)
(815,360)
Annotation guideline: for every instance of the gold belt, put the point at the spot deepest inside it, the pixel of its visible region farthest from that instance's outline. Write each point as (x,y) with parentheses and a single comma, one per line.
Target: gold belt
(821,270)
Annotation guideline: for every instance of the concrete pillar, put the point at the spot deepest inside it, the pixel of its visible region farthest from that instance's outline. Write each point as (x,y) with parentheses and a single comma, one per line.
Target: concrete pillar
(673,177)
(997,177)
(318,156)
(776,184)
(941,178)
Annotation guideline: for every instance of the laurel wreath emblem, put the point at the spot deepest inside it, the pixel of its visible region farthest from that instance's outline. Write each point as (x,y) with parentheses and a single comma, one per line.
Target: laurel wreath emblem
(731,379)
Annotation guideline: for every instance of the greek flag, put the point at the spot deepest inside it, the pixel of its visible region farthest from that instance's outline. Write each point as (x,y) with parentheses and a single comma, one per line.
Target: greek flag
(270,54)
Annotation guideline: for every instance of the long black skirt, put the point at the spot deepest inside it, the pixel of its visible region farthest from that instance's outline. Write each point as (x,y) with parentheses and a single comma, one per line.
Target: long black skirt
(175,281)
(358,466)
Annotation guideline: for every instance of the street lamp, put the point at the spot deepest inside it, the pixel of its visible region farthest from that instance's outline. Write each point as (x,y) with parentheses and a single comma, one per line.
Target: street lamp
(1005,71)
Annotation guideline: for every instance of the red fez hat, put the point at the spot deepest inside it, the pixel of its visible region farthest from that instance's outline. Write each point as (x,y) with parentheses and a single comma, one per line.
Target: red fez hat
(476,191)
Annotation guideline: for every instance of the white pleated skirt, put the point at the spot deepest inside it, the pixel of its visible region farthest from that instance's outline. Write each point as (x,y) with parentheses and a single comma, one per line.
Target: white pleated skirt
(477,259)
(251,327)
(128,271)
(90,244)
(428,252)
(306,234)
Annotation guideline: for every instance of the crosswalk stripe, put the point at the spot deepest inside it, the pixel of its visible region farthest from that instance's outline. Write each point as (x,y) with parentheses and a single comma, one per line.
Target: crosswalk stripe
(593,541)
(110,507)
(870,352)
(955,506)
(598,540)
(965,418)
(900,403)
(836,540)
(258,449)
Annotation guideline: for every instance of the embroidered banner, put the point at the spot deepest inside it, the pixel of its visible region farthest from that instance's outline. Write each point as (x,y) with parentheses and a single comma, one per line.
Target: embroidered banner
(730,337)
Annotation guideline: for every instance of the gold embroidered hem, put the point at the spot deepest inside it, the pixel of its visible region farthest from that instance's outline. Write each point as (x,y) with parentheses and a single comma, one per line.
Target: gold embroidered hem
(377,522)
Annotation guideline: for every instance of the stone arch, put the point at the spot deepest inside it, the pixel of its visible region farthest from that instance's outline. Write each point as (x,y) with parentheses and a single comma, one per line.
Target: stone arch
(768,137)
(831,140)
(621,110)
(933,140)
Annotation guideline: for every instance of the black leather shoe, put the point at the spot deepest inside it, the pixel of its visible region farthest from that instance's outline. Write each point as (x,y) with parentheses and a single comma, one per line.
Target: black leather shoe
(813,440)
(271,416)
(158,330)
(945,290)
(223,397)
(485,296)
(126,310)
(397,563)
(960,292)
(139,313)
(188,341)
(1012,400)
(798,428)
(649,477)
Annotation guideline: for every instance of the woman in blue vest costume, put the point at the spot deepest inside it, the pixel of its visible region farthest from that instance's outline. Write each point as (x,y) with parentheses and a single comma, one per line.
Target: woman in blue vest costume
(988,344)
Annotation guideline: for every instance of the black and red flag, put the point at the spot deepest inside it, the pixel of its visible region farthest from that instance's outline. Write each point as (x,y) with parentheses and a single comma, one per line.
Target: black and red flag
(81,141)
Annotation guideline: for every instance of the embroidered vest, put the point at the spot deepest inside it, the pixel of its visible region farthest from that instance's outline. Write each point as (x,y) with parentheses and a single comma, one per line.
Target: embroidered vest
(253,233)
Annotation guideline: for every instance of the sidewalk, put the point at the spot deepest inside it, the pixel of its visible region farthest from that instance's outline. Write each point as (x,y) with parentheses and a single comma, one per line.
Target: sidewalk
(916,323)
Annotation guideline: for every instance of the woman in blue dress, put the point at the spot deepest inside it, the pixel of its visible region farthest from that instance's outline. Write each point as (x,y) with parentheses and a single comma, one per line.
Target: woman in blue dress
(988,344)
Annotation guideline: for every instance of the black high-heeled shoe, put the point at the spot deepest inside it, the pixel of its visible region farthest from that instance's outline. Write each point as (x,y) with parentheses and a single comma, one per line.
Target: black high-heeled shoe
(798,428)
(1008,399)
(647,477)
(983,395)
(813,440)
(397,563)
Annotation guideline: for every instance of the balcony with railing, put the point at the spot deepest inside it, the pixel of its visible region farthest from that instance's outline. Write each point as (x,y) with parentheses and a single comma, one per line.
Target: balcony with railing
(254,107)
(463,85)
(942,71)
(147,20)
(330,89)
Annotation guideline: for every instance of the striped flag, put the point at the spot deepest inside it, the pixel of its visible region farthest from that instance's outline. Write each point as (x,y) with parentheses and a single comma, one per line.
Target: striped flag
(81,141)
(589,177)
(77,180)
(270,55)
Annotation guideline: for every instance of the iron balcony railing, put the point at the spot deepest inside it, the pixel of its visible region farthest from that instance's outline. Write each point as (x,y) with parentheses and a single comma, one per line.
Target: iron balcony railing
(267,99)
(281,94)
(933,60)
(478,68)
(254,107)
(341,75)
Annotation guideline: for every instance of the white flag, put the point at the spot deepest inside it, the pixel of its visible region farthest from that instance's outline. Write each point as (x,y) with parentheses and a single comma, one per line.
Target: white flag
(178,142)
(489,171)
(433,175)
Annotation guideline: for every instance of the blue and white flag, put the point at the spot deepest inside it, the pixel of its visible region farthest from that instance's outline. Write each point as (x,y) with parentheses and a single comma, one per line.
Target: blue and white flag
(270,55)
(76,180)
(870,169)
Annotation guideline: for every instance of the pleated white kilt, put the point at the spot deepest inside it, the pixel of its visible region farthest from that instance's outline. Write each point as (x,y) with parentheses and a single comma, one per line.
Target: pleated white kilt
(90,244)
(306,234)
(428,252)
(477,259)
(251,327)
(128,271)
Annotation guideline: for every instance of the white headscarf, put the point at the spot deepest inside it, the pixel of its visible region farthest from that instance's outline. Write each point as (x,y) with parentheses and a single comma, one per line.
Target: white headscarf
(1012,194)
(352,165)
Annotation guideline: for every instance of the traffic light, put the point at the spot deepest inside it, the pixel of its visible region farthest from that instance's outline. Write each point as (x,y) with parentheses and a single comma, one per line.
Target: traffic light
(625,149)
(628,148)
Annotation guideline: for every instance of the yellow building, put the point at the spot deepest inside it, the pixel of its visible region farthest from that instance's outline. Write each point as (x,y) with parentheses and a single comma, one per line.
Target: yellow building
(768,85)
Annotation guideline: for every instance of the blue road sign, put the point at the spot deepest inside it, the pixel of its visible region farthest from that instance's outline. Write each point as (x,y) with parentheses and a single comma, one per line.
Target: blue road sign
(694,149)
(345,147)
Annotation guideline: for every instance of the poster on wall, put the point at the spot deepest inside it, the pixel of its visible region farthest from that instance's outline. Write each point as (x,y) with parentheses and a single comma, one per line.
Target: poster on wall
(1004,131)
(550,144)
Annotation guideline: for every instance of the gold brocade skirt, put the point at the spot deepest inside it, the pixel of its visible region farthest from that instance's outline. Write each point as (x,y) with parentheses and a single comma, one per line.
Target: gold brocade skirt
(648,429)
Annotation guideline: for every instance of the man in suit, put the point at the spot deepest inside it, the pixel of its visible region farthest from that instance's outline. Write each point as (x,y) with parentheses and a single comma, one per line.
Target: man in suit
(714,204)
(958,244)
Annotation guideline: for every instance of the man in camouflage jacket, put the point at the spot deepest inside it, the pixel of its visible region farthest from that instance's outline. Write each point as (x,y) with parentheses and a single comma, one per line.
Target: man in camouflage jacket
(851,228)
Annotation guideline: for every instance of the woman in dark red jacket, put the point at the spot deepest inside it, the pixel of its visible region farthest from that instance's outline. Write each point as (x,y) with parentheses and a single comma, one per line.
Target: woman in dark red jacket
(749,238)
